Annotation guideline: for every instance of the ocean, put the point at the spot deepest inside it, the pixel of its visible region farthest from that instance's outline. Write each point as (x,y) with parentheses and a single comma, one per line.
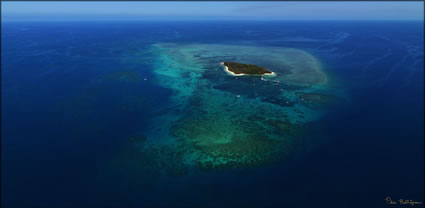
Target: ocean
(142,114)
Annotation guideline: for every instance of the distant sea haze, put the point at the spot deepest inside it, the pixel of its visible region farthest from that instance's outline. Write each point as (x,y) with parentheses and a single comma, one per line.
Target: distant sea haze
(222,10)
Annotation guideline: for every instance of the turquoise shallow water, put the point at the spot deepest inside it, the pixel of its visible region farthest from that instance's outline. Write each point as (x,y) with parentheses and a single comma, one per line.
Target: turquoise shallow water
(142,114)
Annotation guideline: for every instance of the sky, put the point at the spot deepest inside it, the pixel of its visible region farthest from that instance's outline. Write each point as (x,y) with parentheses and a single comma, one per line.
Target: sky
(235,10)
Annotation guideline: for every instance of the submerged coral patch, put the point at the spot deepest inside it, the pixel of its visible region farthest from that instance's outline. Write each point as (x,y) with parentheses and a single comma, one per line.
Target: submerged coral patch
(318,100)
(226,132)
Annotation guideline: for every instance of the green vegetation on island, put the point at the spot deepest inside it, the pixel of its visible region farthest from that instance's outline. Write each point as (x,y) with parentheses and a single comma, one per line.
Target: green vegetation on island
(250,69)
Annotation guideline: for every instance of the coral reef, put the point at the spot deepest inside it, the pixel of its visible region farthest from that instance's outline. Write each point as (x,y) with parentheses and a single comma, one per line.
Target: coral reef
(232,141)
(317,100)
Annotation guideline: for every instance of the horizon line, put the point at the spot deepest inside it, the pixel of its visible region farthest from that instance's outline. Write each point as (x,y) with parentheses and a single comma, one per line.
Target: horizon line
(197,19)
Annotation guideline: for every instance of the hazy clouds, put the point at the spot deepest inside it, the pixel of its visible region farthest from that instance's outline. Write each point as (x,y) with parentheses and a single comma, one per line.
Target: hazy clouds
(217,10)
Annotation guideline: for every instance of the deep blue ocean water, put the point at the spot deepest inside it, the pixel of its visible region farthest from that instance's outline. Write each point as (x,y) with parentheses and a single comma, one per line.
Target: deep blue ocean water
(73,93)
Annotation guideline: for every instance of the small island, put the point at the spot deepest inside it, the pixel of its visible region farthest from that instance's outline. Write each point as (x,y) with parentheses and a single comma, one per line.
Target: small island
(238,69)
